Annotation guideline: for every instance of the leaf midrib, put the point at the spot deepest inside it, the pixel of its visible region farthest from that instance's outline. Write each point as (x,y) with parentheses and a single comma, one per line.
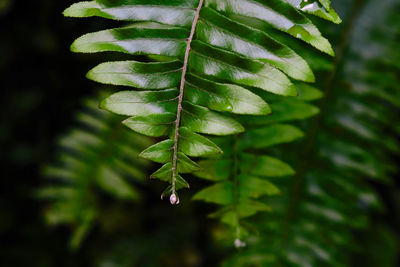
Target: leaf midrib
(180,97)
(149,6)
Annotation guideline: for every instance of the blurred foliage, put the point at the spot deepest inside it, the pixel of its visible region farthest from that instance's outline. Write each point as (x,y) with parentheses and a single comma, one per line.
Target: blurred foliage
(246,172)
(96,156)
(340,209)
(351,151)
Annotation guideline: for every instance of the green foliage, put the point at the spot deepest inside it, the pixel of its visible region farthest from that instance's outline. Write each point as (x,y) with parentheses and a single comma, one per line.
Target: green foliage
(98,156)
(240,60)
(326,214)
(327,206)
(204,60)
(245,173)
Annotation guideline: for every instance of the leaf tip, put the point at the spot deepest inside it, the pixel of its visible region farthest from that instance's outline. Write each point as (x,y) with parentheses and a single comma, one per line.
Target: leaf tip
(292,91)
(240,129)
(266,110)
(140,156)
(72,11)
(329,51)
(90,75)
(291,171)
(103,104)
(81,9)
(75,45)
(67,12)
(310,78)
(338,20)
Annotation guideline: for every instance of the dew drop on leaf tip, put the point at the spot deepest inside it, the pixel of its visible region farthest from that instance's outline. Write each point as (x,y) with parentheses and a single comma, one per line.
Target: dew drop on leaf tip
(174,199)
(239,243)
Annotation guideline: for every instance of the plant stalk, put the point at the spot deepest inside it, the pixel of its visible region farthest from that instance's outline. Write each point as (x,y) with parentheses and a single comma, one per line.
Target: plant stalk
(180,97)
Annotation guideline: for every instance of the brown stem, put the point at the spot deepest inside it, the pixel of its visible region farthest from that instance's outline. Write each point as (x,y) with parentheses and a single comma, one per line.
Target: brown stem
(180,97)
(235,170)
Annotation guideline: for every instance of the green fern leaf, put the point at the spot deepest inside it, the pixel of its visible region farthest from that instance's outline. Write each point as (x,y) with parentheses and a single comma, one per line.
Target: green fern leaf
(244,173)
(207,59)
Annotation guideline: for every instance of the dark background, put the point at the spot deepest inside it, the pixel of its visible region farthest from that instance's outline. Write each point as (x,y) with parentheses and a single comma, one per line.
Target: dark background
(41,84)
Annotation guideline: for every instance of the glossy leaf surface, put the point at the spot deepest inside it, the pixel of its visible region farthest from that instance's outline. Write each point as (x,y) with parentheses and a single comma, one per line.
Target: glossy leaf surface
(202,60)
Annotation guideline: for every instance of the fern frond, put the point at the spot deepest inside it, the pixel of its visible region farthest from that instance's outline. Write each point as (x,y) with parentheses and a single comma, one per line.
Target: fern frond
(97,155)
(207,59)
(245,174)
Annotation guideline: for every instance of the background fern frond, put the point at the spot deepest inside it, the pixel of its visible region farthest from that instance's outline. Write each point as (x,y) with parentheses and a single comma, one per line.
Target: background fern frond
(241,173)
(246,174)
(99,156)
(350,149)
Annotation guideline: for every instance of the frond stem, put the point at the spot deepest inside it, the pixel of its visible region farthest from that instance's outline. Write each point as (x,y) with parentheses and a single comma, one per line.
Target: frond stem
(180,97)
(235,171)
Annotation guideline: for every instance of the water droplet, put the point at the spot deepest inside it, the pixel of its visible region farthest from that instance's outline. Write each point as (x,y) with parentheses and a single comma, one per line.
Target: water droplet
(239,243)
(173,199)
(229,108)
(298,31)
